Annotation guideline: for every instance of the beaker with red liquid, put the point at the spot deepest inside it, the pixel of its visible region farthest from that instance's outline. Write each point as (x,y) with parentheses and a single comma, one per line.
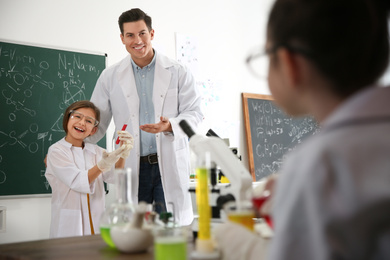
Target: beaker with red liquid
(258,202)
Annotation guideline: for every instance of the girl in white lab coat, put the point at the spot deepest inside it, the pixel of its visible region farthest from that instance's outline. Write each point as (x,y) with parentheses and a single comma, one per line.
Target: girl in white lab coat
(76,171)
(332,196)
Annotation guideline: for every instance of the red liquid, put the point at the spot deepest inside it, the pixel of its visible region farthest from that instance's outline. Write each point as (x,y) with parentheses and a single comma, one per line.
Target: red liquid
(257,204)
(123,129)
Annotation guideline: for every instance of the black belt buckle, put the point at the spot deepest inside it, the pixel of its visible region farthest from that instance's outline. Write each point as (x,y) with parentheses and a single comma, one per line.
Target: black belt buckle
(152,158)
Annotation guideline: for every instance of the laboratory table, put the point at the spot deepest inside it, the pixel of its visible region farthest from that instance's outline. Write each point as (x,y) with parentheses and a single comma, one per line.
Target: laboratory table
(85,247)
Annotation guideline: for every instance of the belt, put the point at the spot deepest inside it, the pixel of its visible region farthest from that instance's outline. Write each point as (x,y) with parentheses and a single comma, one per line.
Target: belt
(151,158)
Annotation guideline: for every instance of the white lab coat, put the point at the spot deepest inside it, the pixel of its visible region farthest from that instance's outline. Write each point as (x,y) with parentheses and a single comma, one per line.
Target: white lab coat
(339,171)
(67,173)
(174,96)
(332,175)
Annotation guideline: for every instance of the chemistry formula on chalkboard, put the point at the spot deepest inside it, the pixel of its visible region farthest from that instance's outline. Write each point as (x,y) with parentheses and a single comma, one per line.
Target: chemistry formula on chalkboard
(37,85)
(273,134)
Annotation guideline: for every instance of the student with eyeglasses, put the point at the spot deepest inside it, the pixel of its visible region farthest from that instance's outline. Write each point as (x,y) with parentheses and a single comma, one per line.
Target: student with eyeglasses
(331,199)
(76,171)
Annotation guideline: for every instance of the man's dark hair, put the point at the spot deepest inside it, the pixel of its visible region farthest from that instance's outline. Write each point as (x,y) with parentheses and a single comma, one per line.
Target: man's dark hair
(134,15)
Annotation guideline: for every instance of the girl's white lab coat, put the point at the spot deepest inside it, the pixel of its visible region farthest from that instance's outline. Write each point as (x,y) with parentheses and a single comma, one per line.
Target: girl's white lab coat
(67,173)
(174,96)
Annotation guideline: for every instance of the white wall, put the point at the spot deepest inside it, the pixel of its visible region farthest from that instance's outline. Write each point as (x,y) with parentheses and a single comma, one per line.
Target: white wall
(26,219)
(226,31)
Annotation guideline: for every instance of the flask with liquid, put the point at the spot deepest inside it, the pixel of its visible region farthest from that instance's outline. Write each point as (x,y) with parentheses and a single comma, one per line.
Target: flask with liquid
(258,202)
(241,213)
(122,210)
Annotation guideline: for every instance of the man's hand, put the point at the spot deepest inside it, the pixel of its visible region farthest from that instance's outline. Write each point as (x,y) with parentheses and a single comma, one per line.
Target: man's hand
(163,126)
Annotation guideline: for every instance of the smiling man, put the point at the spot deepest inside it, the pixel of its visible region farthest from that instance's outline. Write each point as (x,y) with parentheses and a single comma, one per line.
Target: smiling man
(151,94)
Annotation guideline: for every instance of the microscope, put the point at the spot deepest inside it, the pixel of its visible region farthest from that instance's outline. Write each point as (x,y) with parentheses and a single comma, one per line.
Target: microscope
(221,156)
(218,173)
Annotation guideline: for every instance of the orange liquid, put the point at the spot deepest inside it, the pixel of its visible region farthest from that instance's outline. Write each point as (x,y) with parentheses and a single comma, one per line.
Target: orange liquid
(243,218)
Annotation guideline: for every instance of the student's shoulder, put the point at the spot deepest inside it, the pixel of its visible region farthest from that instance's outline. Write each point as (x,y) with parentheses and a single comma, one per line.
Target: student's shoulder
(59,149)
(60,144)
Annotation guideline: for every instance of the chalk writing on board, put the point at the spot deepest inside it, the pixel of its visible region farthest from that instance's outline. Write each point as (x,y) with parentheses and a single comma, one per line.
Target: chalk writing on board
(3,177)
(274,134)
(37,85)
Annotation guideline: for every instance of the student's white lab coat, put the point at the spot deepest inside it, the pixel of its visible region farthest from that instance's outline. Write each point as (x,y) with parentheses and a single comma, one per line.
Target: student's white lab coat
(334,174)
(67,173)
(174,96)
(338,172)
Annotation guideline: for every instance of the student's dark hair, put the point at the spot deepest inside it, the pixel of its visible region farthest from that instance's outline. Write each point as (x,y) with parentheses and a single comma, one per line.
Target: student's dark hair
(347,40)
(77,105)
(134,15)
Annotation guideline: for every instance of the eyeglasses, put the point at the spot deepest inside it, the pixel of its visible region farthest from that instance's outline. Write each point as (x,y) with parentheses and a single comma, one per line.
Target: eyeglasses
(258,63)
(79,116)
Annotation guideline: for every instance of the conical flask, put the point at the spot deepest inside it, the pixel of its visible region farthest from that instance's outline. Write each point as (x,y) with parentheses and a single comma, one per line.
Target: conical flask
(121,211)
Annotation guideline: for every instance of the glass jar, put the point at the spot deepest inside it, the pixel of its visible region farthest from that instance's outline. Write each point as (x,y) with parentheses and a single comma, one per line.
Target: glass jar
(170,243)
(121,211)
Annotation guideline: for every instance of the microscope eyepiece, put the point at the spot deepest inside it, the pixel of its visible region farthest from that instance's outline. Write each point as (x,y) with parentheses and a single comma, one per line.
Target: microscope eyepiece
(186,128)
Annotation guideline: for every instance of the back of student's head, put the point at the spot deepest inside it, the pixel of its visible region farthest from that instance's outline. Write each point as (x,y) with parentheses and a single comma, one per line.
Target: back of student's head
(346,40)
(134,15)
(77,105)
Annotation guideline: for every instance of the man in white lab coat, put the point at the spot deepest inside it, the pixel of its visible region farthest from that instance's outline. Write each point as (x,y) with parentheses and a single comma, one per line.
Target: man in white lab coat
(151,94)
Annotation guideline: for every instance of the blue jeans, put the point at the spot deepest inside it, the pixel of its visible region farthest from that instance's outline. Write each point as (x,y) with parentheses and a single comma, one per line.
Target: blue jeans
(150,188)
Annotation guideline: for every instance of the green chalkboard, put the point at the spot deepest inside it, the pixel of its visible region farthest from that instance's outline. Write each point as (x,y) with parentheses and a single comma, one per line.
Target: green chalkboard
(37,84)
(270,133)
